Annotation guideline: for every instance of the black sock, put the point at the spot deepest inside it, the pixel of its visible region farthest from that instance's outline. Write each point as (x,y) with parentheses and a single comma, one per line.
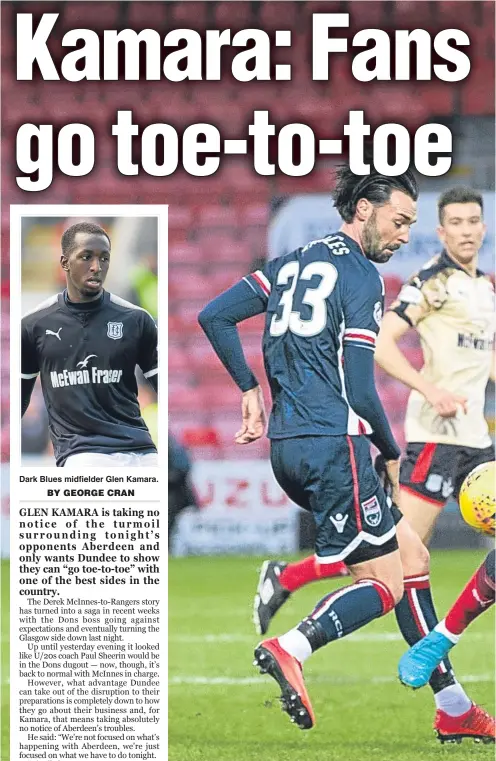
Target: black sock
(416,617)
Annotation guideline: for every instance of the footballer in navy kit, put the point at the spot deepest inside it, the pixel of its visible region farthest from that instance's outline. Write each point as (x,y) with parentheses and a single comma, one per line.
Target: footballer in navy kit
(85,344)
(323,306)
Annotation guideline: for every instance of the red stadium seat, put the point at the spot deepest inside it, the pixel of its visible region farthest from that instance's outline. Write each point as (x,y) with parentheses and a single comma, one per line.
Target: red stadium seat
(477,98)
(177,359)
(231,251)
(186,253)
(449,11)
(184,398)
(186,282)
(392,285)
(412,14)
(224,248)
(437,98)
(229,15)
(217,216)
(190,15)
(179,217)
(222,278)
(321,6)
(146,15)
(188,313)
(76,16)
(222,394)
(280,15)
(255,214)
(365,15)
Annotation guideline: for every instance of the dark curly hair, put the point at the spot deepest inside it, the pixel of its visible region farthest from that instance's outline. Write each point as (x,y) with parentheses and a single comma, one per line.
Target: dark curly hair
(68,238)
(375,187)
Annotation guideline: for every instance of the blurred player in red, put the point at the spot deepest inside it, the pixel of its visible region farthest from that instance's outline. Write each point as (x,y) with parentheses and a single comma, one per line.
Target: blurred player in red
(416,666)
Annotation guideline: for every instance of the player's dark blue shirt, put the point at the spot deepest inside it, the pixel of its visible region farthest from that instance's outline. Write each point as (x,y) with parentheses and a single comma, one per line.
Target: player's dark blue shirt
(319,298)
(324,306)
(86,355)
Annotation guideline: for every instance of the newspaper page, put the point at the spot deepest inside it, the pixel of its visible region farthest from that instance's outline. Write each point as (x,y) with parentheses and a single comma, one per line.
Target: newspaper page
(88,580)
(208,134)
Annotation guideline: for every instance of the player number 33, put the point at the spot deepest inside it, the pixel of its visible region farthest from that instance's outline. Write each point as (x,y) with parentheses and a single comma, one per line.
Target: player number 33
(313,297)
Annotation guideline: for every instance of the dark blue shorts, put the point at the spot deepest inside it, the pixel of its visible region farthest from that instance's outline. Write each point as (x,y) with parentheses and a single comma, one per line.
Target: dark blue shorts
(333,476)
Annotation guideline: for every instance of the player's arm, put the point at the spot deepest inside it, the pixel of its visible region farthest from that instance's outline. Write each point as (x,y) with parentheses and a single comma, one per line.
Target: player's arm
(219,320)
(364,399)
(404,314)
(362,309)
(148,354)
(29,366)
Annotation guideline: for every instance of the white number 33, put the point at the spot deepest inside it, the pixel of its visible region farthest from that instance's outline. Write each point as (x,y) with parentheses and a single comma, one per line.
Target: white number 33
(314,297)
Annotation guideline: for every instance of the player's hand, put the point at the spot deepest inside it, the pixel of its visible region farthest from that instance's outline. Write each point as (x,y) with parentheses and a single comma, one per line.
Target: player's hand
(253,414)
(445,402)
(393,474)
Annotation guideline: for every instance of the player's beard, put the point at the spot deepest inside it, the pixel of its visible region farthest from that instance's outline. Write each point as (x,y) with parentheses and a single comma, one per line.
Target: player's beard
(371,241)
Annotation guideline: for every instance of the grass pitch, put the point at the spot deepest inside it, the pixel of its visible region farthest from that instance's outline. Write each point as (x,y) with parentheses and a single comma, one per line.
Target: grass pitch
(221,709)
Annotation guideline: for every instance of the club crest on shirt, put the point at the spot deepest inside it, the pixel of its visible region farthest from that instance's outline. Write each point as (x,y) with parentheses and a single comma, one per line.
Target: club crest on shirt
(114,330)
(378,313)
(372,511)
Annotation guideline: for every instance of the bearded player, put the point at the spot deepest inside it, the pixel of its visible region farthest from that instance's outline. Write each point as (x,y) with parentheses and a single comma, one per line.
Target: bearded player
(323,305)
(451,304)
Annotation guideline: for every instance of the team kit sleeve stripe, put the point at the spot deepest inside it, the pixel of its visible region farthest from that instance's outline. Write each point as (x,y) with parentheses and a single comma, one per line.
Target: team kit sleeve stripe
(359,337)
(151,373)
(258,278)
(29,376)
(362,332)
(361,344)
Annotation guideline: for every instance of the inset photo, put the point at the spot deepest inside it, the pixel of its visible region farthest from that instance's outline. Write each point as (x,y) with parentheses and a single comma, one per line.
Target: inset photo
(87,333)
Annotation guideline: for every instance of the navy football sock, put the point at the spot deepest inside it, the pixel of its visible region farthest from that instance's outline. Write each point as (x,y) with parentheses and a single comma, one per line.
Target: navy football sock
(345,610)
(416,616)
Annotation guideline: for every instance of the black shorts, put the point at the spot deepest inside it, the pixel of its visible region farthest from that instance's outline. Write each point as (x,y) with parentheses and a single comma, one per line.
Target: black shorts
(333,476)
(436,472)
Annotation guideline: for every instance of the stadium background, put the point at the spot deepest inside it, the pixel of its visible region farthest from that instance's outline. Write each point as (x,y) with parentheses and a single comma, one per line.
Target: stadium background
(218,230)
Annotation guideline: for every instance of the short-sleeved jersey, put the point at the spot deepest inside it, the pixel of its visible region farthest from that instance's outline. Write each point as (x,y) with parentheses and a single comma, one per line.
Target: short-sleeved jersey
(454,316)
(86,359)
(318,298)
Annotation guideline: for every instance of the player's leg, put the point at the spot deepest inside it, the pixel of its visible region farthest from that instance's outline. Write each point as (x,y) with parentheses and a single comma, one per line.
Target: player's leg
(442,469)
(377,586)
(417,665)
(420,513)
(340,480)
(278,580)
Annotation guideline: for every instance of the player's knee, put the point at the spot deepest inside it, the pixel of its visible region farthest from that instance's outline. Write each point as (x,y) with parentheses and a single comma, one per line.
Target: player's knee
(418,561)
(390,591)
(415,557)
(396,590)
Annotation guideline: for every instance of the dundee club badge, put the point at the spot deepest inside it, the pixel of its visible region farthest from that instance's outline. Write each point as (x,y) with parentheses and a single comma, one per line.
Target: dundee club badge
(114,330)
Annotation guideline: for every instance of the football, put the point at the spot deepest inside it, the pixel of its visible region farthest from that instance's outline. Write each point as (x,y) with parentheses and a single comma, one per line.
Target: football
(478,498)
